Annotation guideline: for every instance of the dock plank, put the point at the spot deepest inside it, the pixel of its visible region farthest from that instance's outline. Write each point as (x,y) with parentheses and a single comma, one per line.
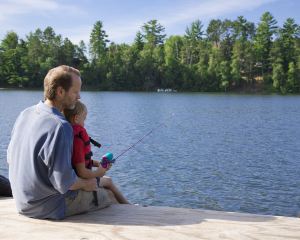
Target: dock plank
(137,222)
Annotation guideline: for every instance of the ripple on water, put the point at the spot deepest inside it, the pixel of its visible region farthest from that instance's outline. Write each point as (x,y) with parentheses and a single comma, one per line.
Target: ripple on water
(221,152)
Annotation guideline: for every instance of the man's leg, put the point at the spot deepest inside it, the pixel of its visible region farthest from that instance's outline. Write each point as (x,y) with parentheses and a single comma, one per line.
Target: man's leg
(85,201)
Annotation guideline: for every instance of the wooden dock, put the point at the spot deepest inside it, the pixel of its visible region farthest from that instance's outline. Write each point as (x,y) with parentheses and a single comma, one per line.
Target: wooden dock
(137,222)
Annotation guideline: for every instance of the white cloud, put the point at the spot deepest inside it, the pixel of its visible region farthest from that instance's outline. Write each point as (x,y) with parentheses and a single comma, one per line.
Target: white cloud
(204,10)
(76,34)
(14,14)
(120,32)
(212,9)
(9,9)
(15,7)
(118,29)
(117,32)
(125,31)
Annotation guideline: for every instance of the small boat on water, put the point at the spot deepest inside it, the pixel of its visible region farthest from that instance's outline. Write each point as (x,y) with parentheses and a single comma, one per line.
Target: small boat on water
(168,90)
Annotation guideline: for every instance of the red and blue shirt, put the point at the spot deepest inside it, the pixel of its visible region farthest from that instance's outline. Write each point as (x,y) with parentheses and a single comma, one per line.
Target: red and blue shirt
(81,147)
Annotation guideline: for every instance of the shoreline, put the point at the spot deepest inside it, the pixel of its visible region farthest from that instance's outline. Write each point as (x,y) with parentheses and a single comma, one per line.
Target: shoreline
(90,89)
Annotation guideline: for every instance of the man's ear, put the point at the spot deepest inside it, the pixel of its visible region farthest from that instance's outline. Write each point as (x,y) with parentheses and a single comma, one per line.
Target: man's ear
(60,92)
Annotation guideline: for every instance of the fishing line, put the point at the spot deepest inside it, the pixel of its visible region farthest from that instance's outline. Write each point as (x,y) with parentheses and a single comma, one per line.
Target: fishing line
(141,139)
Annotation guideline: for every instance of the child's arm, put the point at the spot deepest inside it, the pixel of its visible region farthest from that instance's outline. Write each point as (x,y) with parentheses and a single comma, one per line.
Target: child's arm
(86,173)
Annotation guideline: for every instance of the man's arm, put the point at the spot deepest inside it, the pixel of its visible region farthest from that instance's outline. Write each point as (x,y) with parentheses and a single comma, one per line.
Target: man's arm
(85,184)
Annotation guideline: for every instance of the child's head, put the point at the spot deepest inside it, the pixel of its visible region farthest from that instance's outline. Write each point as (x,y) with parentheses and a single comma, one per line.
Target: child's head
(76,115)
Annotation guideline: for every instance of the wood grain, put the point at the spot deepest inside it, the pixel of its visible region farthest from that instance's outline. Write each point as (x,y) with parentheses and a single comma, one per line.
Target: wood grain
(136,222)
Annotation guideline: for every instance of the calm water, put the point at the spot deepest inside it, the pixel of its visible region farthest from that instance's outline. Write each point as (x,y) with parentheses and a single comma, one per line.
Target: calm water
(222,152)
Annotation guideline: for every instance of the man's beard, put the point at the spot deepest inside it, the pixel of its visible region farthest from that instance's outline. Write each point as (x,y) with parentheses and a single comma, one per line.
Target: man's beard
(69,106)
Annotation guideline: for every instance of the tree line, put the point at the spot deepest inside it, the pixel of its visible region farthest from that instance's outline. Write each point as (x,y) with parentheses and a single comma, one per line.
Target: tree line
(230,55)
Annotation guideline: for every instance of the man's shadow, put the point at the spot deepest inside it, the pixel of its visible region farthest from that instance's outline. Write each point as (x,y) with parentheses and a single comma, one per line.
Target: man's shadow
(131,215)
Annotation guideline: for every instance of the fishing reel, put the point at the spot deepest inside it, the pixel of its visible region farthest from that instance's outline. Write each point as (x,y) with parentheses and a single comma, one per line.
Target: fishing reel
(107,158)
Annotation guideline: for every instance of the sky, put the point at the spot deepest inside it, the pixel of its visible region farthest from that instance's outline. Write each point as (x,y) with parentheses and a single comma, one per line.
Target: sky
(122,19)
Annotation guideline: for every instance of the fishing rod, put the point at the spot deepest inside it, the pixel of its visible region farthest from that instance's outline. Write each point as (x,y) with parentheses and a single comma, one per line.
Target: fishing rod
(108,157)
(141,139)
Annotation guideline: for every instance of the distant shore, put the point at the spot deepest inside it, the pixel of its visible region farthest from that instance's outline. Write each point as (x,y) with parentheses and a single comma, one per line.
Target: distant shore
(93,89)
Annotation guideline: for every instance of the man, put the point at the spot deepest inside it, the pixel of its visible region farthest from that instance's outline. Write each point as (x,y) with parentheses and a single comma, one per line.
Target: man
(44,185)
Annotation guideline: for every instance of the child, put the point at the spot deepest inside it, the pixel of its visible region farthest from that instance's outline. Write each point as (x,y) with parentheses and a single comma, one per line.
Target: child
(81,158)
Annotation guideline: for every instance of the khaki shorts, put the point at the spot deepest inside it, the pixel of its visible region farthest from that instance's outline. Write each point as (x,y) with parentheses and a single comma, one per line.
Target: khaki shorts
(85,202)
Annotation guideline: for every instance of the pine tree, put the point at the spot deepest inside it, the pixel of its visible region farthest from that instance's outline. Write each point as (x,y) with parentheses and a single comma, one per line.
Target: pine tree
(263,43)
(98,42)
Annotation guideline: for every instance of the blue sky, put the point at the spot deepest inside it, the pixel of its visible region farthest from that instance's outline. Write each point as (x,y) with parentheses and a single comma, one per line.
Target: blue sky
(122,19)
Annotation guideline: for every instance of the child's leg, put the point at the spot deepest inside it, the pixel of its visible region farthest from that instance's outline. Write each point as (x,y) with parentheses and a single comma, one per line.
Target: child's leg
(107,182)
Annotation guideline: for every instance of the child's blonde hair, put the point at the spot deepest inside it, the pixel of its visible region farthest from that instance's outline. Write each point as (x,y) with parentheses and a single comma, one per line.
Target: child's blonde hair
(71,113)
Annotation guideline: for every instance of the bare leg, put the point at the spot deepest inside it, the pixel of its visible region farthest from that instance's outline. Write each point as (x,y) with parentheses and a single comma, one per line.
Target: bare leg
(107,182)
(112,196)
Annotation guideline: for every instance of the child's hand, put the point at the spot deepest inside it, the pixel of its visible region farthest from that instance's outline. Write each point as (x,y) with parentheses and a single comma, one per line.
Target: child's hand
(101,171)
(107,160)
(96,163)
(105,163)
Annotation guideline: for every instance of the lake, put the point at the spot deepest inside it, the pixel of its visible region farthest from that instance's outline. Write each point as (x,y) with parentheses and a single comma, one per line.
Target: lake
(213,151)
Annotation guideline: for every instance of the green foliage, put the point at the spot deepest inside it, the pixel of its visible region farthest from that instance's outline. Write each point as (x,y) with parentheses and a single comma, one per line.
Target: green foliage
(214,31)
(263,42)
(193,36)
(292,85)
(227,56)
(153,33)
(279,78)
(12,61)
(98,42)
(173,65)
(225,75)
